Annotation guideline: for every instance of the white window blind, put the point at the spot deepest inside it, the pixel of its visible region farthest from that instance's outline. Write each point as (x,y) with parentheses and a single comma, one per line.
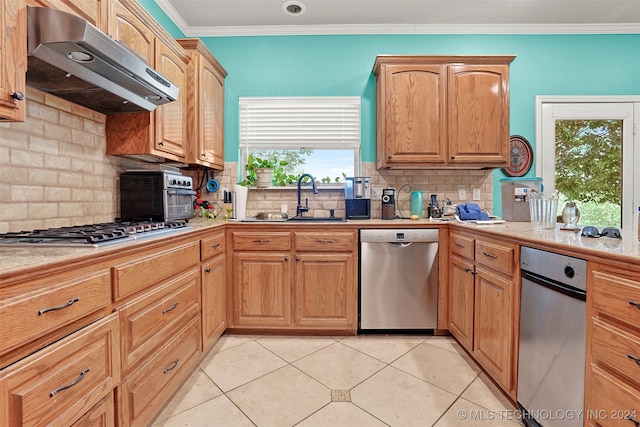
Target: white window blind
(299,122)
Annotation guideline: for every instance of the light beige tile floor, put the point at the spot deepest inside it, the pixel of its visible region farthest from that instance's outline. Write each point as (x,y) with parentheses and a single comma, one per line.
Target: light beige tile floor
(369,380)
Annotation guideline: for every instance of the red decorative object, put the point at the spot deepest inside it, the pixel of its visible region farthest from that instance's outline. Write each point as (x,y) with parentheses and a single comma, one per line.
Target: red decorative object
(520,156)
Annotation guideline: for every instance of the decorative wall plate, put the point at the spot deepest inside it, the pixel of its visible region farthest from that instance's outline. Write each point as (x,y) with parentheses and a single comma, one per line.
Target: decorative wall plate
(520,156)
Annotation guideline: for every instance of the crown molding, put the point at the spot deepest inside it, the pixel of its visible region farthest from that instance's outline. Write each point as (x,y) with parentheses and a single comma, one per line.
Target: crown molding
(283,30)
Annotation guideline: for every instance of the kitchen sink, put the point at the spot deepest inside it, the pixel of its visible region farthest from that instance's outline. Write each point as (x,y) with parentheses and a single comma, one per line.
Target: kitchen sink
(315,219)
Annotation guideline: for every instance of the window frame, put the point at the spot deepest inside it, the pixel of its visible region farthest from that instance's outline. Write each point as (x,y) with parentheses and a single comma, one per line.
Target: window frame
(623,107)
(350,138)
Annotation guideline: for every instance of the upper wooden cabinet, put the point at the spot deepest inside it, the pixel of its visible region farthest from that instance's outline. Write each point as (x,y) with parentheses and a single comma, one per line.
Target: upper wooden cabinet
(13,60)
(161,134)
(96,12)
(436,111)
(205,106)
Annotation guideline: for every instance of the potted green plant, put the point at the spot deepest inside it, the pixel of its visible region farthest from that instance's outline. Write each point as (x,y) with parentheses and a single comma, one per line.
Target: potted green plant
(262,172)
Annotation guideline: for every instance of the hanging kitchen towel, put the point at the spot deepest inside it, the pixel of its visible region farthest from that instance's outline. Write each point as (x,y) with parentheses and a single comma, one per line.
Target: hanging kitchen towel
(471,211)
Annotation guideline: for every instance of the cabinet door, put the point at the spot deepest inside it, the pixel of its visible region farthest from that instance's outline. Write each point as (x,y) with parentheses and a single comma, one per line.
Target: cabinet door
(461,300)
(171,118)
(13,60)
(478,114)
(411,115)
(214,307)
(212,116)
(493,325)
(261,289)
(129,30)
(94,11)
(324,291)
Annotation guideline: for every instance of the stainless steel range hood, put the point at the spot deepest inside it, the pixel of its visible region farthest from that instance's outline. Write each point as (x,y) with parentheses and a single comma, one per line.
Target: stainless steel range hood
(70,58)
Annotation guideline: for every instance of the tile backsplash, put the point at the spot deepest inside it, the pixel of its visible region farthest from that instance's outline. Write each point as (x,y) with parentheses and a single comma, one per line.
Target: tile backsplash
(54,169)
(54,172)
(444,183)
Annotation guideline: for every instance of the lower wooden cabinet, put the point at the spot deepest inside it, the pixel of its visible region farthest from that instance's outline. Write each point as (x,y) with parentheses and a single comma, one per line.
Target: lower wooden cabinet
(59,384)
(324,291)
(101,415)
(484,303)
(303,280)
(612,392)
(214,301)
(142,395)
(262,289)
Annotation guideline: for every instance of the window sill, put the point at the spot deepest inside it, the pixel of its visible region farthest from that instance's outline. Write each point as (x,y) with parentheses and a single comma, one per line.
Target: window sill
(294,187)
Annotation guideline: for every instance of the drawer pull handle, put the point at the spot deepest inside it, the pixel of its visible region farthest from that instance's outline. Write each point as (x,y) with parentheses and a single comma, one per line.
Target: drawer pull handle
(633,420)
(460,245)
(173,307)
(173,366)
(322,241)
(207,270)
(635,359)
(215,245)
(487,254)
(60,307)
(636,304)
(71,384)
(261,241)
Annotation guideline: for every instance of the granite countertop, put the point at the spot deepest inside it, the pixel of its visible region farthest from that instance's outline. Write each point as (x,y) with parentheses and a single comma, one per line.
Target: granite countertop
(627,249)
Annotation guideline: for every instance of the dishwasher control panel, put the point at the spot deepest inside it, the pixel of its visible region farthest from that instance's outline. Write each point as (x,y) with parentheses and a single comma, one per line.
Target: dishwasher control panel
(400,235)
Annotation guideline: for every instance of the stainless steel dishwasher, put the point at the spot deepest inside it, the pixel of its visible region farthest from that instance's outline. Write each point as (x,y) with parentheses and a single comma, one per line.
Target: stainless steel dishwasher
(551,359)
(398,288)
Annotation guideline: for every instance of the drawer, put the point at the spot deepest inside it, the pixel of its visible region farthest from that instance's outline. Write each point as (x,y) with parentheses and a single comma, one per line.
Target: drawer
(462,245)
(261,241)
(616,349)
(610,402)
(60,383)
(26,317)
(143,395)
(617,296)
(101,415)
(498,257)
(212,246)
(149,320)
(317,241)
(136,275)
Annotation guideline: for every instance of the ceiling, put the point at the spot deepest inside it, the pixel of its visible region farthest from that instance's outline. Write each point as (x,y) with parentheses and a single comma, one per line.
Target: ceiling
(200,18)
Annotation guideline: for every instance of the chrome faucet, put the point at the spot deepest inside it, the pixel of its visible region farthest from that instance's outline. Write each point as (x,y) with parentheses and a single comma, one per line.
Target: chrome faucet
(300,209)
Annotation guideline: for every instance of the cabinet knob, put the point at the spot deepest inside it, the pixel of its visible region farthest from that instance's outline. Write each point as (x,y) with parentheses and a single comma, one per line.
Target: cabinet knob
(207,270)
(453,157)
(161,143)
(203,155)
(286,258)
(18,96)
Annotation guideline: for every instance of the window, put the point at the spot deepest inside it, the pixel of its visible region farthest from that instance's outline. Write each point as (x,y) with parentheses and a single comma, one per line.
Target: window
(587,147)
(316,135)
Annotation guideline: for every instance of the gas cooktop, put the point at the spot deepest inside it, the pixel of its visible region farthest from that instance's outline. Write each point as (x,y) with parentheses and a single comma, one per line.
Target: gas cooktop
(92,235)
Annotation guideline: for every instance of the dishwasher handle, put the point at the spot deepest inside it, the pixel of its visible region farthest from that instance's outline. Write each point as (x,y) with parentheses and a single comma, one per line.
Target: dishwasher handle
(567,290)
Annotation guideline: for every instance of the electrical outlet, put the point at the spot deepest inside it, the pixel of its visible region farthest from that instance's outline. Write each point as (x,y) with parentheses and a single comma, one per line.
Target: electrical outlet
(376,193)
(476,194)
(462,193)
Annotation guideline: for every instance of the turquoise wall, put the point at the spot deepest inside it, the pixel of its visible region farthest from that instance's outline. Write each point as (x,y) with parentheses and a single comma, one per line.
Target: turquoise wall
(341,65)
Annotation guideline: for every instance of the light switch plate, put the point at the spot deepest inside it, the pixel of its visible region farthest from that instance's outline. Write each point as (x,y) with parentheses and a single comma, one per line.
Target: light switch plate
(376,193)
(476,194)
(462,193)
